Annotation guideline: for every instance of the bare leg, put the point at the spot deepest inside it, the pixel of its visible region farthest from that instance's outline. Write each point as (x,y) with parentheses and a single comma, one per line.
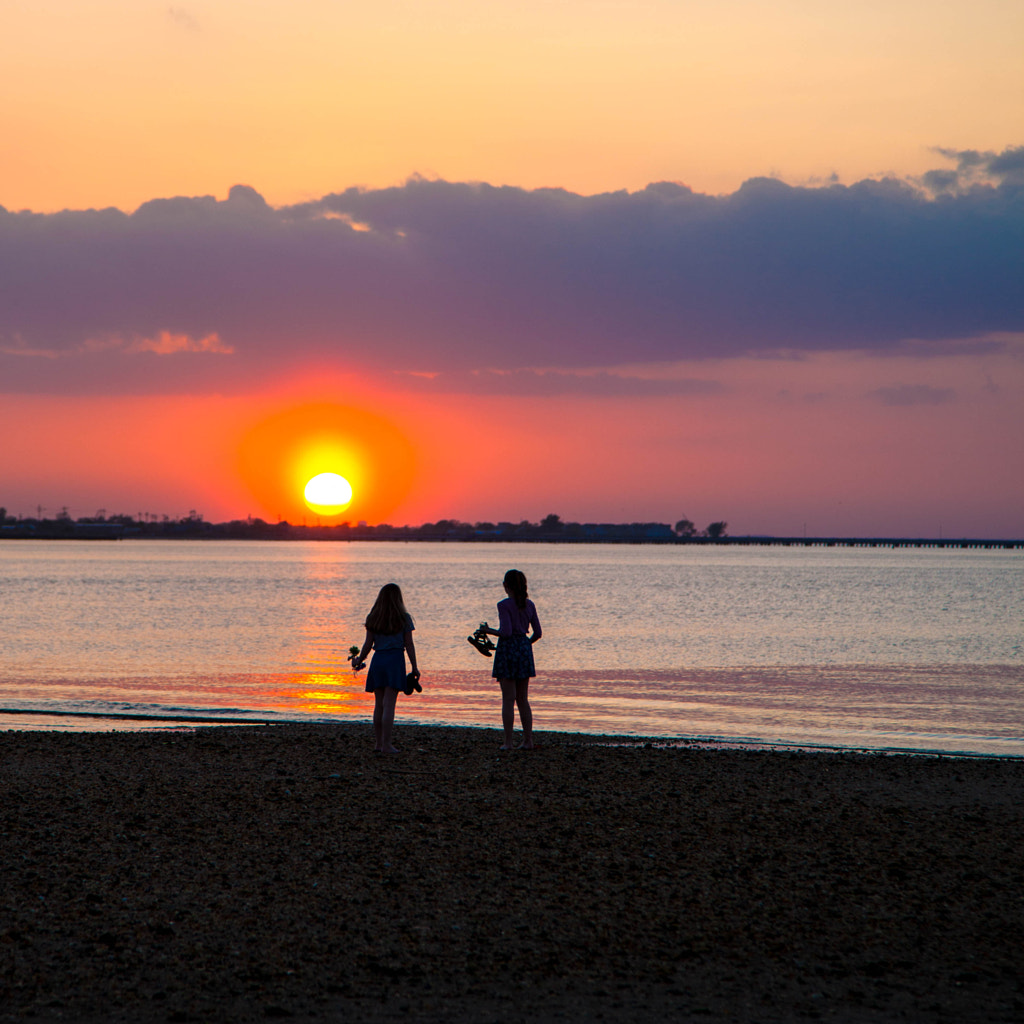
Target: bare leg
(387,719)
(378,719)
(508,710)
(525,711)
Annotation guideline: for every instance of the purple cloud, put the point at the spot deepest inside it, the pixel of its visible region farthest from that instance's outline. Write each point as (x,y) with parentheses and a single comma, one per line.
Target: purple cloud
(443,277)
(974,168)
(554,382)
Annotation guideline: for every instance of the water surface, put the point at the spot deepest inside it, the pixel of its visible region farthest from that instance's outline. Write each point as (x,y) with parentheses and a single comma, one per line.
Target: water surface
(913,648)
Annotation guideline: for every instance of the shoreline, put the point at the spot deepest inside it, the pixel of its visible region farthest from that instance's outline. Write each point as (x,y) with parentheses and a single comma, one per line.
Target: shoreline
(622,534)
(246,873)
(141,722)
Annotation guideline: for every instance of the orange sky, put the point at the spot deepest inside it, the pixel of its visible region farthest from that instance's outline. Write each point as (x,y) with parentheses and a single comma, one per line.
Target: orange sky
(154,407)
(776,451)
(113,102)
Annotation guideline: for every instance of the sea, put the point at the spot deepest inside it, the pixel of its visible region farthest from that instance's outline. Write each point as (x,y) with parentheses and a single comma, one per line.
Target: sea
(905,649)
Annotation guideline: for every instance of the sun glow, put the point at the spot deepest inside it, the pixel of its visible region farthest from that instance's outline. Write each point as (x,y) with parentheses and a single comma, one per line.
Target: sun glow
(328,494)
(364,462)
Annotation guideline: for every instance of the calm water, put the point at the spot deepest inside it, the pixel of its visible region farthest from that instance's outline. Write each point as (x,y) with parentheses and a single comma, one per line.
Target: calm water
(912,649)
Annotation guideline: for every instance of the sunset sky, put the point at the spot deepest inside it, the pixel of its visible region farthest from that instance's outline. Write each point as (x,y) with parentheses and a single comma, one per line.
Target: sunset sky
(620,261)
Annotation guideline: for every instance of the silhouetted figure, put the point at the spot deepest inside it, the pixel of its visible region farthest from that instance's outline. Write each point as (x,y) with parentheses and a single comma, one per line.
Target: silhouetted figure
(513,660)
(389,632)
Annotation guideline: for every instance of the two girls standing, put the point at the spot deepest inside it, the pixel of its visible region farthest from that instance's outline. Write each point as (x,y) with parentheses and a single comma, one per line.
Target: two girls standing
(389,629)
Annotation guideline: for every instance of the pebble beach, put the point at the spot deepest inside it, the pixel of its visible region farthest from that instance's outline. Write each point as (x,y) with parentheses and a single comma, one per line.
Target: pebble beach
(254,873)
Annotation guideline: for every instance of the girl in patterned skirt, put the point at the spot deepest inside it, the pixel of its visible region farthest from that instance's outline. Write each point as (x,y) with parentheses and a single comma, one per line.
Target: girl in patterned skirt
(513,660)
(389,632)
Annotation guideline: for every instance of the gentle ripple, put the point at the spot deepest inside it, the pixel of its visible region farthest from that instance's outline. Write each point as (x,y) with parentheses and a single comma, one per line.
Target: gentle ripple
(858,647)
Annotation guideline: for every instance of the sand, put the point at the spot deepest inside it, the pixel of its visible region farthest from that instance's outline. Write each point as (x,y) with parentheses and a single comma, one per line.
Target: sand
(288,872)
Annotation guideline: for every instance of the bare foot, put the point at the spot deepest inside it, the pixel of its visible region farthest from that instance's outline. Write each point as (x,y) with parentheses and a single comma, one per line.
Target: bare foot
(526,746)
(504,747)
(390,750)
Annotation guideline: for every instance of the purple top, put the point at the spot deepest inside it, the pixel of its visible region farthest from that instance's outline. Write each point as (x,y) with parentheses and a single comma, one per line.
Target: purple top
(514,621)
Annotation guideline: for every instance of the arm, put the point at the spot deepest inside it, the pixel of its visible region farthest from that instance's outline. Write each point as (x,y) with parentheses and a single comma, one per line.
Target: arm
(535,625)
(360,659)
(504,621)
(411,649)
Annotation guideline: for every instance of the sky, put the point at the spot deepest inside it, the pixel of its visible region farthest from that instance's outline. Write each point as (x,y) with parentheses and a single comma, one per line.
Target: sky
(760,262)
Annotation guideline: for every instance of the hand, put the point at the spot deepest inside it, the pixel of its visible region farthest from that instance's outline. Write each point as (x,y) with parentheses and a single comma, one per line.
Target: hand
(416,673)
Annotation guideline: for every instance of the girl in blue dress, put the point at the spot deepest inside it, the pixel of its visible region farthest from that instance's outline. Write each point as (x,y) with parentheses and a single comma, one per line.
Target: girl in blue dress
(513,660)
(389,632)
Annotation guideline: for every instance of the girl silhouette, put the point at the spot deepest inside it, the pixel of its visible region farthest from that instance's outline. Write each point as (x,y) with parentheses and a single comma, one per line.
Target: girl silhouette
(513,660)
(389,632)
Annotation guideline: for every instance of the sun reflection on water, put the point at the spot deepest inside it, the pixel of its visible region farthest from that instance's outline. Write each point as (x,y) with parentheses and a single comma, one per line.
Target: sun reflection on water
(340,693)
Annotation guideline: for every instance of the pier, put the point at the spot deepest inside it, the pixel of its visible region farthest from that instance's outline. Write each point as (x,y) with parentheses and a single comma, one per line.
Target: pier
(868,542)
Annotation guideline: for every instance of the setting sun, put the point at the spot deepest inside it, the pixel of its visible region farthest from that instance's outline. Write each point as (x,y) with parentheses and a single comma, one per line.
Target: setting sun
(327,459)
(328,494)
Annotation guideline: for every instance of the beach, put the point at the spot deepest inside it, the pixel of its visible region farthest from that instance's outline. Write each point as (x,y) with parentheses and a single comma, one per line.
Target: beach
(286,871)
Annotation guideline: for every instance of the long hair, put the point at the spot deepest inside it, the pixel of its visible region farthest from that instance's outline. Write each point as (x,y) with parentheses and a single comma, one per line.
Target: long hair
(388,614)
(515,581)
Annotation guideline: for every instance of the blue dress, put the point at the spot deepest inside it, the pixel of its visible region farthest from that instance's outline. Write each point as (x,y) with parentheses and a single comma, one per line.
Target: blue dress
(387,666)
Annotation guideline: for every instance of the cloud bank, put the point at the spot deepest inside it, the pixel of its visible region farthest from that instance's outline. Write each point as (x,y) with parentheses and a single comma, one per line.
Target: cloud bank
(447,278)
(550,383)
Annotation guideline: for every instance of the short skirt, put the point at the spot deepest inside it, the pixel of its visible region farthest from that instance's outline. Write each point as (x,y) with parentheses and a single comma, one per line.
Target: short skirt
(387,668)
(514,658)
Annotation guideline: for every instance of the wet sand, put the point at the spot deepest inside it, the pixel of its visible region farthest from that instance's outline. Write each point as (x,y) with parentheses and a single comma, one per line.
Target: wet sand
(288,872)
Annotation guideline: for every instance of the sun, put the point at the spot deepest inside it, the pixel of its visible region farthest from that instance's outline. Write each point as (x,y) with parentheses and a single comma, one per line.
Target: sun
(328,494)
(367,462)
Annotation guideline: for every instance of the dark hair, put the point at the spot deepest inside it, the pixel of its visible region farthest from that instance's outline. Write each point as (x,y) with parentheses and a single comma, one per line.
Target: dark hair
(515,583)
(388,614)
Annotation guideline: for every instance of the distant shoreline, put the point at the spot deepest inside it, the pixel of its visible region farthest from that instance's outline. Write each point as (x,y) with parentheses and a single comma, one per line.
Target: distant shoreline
(609,534)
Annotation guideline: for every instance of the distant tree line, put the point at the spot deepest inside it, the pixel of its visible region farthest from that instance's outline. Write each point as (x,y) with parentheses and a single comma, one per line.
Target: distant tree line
(550,528)
(686,528)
